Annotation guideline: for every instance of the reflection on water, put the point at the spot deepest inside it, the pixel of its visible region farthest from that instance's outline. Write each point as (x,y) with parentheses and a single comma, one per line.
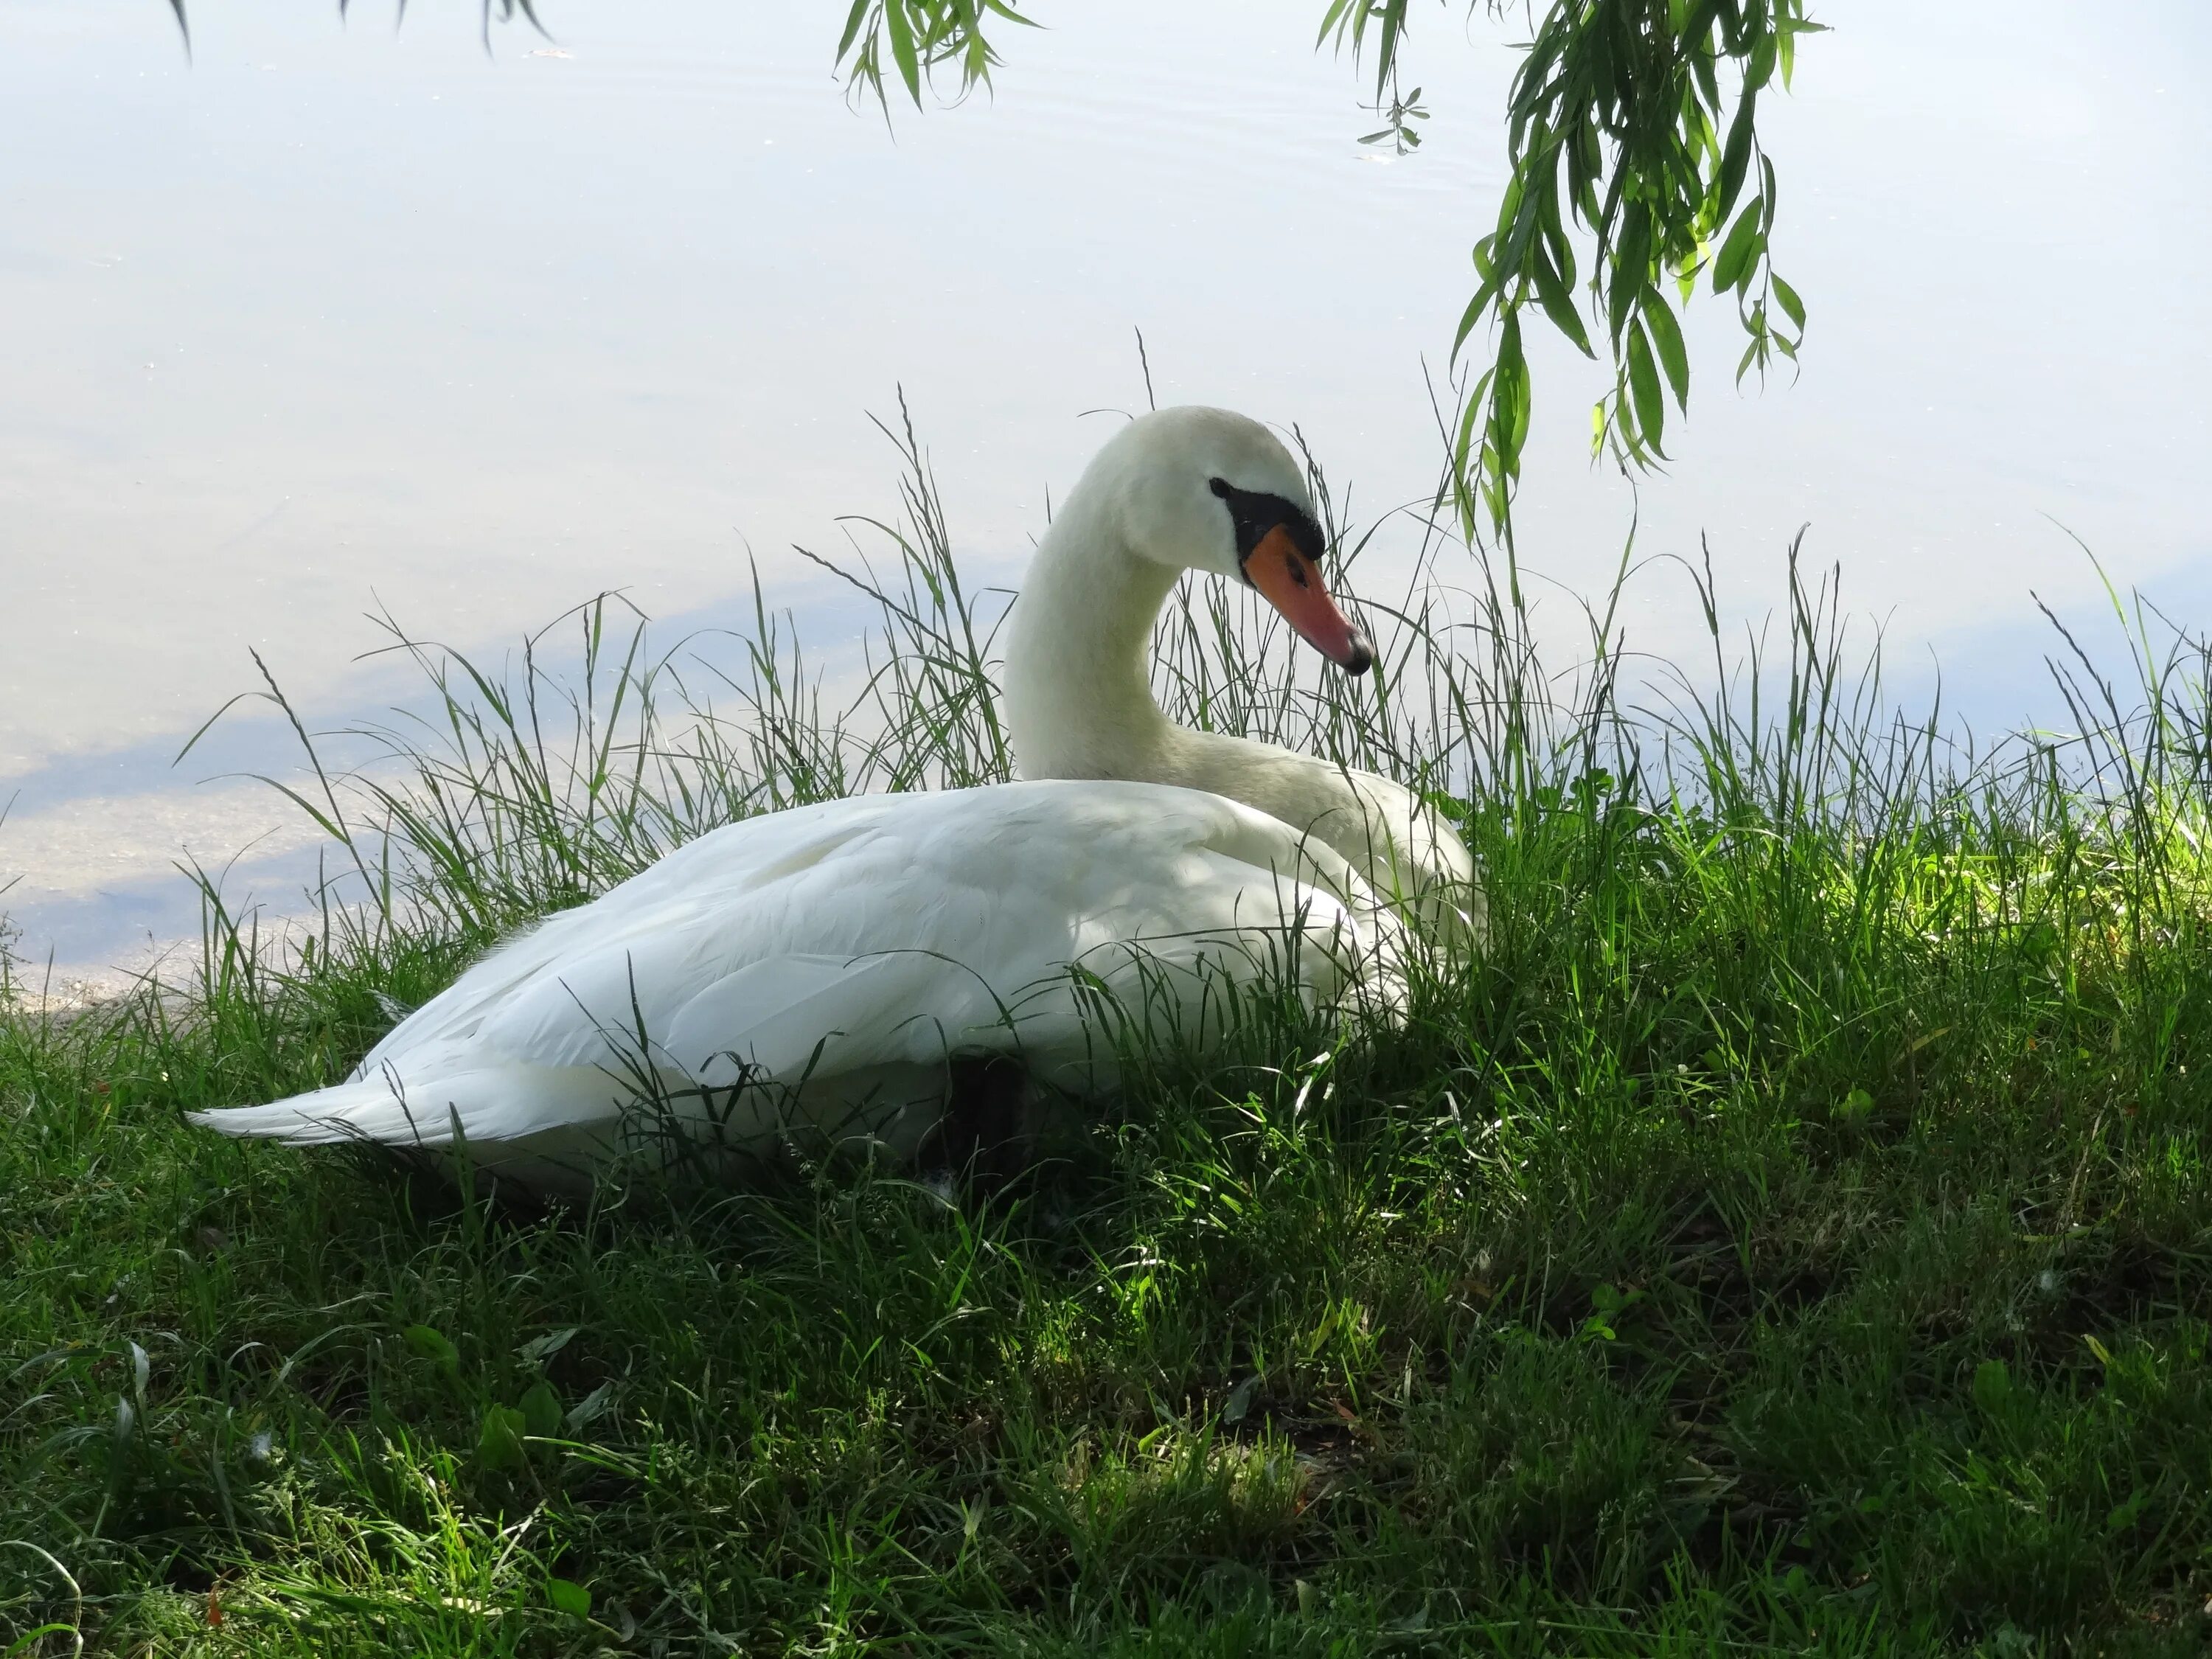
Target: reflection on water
(336,318)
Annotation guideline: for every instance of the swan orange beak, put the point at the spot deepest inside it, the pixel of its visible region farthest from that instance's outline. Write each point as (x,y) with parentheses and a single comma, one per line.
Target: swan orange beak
(1291,582)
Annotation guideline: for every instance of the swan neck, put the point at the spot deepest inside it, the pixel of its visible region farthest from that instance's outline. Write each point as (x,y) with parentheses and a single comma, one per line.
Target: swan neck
(1078,699)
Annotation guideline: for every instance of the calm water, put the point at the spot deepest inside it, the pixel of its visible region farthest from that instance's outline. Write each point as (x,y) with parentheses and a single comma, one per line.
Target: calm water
(339,318)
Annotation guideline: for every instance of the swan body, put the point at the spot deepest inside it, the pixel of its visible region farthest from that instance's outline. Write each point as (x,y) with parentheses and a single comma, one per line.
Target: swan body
(820,968)
(813,971)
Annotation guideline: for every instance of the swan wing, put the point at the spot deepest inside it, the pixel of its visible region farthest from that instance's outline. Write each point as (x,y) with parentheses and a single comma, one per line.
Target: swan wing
(841,951)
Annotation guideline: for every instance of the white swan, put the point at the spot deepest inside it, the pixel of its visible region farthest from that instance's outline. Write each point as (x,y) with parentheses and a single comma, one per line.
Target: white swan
(826,967)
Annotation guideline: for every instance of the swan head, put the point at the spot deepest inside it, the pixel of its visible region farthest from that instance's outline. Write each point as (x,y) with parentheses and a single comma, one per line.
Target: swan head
(1207,489)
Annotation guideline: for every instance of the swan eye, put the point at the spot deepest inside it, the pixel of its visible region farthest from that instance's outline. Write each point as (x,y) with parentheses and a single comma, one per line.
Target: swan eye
(1254,513)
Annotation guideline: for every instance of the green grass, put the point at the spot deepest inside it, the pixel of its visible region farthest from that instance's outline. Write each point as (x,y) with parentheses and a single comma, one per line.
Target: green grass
(1792,1235)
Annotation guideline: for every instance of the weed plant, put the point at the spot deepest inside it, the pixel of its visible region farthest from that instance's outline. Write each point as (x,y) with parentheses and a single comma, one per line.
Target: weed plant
(1789,1234)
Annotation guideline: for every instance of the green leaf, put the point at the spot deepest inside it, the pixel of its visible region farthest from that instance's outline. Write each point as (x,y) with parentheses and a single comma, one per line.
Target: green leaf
(1993,1386)
(541,1409)
(1733,263)
(1631,267)
(2124,1514)
(1557,305)
(900,29)
(1643,383)
(29,1640)
(1450,806)
(1551,225)
(539,1349)
(1736,155)
(590,1409)
(1471,417)
(1760,70)
(431,1344)
(1789,28)
(1238,1405)
(1509,210)
(570,1597)
(1792,306)
(1699,39)
(1394,19)
(852,28)
(1667,339)
(1473,314)
(1508,396)
(499,1443)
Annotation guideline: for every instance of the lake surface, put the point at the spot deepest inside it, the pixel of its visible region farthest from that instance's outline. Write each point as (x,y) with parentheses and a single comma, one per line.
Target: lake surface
(337,318)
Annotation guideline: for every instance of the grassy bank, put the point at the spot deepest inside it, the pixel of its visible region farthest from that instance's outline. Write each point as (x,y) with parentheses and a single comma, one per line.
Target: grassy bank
(1791,1235)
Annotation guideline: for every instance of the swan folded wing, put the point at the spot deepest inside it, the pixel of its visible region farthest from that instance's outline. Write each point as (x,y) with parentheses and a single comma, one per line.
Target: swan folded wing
(479,1103)
(701,901)
(845,951)
(787,1017)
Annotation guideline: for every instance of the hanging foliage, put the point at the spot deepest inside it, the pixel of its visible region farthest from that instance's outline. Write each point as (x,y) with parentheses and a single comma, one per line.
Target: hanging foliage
(1630,128)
